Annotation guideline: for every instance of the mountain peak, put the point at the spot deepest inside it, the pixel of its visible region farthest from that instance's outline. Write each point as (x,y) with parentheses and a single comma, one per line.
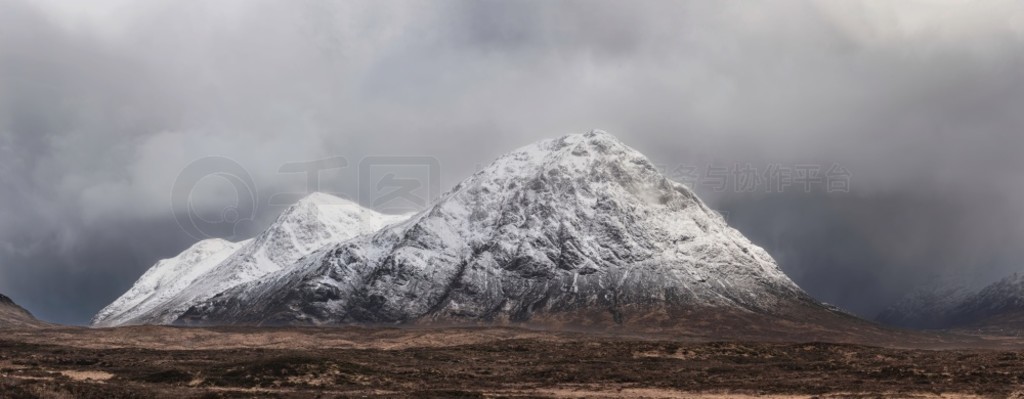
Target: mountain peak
(580,227)
(214,265)
(598,140)
(321,207)
(320,198)
(586,156)
(592,137)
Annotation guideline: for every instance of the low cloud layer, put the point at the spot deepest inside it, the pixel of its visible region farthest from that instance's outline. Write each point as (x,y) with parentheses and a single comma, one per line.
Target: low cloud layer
(103,107)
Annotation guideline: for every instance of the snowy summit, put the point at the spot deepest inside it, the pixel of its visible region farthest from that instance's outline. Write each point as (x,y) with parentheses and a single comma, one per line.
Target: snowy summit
(578,230)
(211,266)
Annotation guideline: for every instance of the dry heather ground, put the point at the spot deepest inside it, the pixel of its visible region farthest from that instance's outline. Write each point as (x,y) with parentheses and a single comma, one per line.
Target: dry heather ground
(159,362)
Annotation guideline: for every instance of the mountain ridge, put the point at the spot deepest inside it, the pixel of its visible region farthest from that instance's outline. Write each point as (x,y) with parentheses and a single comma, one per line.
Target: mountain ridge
(997,307)
(926,307)
(580,229)
(212,266)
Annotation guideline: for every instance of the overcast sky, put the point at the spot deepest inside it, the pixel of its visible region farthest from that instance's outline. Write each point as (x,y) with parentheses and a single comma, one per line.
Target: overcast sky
(103,106)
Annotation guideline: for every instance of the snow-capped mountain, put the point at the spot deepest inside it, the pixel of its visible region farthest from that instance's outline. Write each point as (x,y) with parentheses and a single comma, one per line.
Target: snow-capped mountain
(211,266)
(927,307)
(954,305)
(999,305)
(14,316)
(579,230)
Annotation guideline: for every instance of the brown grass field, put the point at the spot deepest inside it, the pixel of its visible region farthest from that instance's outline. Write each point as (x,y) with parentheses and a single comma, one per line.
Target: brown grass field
(421,362)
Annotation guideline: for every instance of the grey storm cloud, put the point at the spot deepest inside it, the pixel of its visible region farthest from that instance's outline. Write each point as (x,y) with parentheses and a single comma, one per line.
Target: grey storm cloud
(103,106)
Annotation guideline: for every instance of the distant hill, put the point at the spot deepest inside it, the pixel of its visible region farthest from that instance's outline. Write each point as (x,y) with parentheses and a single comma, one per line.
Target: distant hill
(927,307)
(997,308)
(14,316)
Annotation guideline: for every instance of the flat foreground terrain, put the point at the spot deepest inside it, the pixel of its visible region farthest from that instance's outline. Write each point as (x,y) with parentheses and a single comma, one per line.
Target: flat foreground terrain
(160,362)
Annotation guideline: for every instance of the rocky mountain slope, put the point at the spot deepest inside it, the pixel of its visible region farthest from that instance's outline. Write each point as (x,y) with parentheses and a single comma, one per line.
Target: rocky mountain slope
(211,266)
(576,231)
(14,316)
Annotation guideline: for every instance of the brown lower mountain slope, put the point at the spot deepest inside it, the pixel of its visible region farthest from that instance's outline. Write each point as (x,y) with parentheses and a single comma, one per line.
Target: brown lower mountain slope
(14,316)
(798,320)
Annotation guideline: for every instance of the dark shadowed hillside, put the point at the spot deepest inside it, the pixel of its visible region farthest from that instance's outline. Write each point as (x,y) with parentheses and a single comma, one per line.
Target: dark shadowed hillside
(14,316)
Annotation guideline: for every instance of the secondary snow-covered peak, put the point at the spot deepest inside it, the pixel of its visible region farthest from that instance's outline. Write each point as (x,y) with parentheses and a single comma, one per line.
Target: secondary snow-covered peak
(322,206)
(312,222)
(329,210)
(211,266)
